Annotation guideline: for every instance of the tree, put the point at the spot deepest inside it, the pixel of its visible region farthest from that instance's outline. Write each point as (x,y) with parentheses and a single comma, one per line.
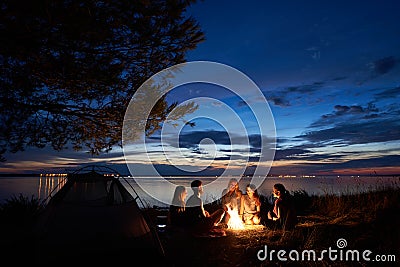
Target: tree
(68,69)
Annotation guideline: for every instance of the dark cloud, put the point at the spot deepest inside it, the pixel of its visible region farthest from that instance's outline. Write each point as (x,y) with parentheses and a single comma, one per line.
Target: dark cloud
(323,157)
(383,65)
(378,68)
(359,112)
(255,141)
(282,140)
(192,139)
(47,154)
(388,93)
(290,153)
(171,170)
(356,132)
(355,109)
(370,163)
(305,89)
(224,158)
(249,149)
(384,161)
(279,101)
(281,98)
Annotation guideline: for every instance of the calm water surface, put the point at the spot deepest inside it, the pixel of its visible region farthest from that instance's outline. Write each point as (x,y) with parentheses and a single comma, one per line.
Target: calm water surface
(44,186)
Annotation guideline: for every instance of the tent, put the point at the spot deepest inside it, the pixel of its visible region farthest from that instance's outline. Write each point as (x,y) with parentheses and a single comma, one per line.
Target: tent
(94,218)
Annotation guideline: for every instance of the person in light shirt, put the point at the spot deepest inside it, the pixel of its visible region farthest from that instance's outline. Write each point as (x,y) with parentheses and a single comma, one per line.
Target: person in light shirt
(250,206)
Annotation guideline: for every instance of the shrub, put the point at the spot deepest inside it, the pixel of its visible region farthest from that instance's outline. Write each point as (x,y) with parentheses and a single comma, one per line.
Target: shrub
(20,210)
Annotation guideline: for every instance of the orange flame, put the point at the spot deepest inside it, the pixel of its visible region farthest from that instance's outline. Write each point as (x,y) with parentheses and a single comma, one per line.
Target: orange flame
(235,222)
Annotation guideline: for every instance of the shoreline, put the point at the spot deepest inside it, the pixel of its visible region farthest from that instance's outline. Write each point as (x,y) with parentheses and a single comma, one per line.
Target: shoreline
(213,176)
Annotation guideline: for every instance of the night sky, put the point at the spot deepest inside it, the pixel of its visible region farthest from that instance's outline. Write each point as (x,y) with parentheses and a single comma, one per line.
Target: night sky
(330,71)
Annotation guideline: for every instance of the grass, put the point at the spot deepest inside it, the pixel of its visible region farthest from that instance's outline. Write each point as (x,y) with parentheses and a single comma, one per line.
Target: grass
(367,220)
(18,215)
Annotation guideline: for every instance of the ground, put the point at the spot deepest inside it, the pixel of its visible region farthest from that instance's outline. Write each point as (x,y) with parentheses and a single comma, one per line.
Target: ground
(359,222)
(362,227)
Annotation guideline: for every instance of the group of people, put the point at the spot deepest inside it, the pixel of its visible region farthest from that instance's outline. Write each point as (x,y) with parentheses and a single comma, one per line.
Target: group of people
(248,205)
(191,215)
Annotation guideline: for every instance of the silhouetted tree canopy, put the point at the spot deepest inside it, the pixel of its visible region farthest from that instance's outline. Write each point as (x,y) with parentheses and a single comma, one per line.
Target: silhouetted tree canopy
(68,69)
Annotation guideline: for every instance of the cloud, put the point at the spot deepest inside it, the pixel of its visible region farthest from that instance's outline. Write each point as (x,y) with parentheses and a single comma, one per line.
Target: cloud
(333,141)
(369,165)
(279,101)
(383,65)
(379,67)
(391,93)
(282,97)
(343,112)
(384,161)
(389,164)
(229,147)
(355,132)
(170,170)
(305,89)
(192,139)
(290,153)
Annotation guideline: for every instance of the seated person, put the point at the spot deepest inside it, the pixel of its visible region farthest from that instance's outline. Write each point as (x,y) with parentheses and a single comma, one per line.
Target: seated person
(283,215)
(177,209)
(250,206)
(200,220)
(231,198)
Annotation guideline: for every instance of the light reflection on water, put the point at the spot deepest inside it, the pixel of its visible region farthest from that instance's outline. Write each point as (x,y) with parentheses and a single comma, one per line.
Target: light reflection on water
(42,187)
(48,186)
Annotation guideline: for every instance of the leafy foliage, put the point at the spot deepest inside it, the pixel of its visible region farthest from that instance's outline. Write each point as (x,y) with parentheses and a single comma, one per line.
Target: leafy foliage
(68,69)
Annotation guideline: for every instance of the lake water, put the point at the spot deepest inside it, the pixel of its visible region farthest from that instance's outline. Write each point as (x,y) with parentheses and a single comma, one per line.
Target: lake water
(42,187)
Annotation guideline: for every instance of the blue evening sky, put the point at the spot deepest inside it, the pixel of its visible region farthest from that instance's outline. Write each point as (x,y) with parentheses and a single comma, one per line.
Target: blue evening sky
(330,71)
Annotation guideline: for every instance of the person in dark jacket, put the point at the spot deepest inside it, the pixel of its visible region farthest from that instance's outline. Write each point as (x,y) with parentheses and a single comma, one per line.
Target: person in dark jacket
(283,215)
(200,220)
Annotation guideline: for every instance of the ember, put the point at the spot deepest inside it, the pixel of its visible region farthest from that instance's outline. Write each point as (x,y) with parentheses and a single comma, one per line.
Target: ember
(235,222)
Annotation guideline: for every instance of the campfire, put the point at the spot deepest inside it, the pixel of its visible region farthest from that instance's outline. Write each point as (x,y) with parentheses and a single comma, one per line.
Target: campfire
(235,222)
